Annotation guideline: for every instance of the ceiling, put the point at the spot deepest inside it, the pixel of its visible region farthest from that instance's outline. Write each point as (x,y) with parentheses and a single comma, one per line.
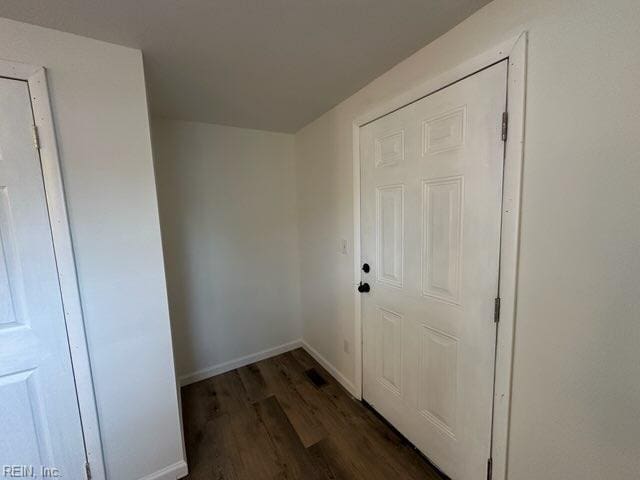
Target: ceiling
(265,64)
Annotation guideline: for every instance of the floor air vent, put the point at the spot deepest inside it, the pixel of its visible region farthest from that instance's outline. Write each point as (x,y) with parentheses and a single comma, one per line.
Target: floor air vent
(315,377)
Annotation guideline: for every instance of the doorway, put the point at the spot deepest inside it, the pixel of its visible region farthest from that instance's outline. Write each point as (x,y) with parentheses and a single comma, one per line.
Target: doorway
(49,425)
(431,202)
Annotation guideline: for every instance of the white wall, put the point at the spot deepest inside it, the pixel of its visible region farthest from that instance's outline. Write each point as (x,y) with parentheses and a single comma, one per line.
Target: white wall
(576,398)
(100,113)
(228,209)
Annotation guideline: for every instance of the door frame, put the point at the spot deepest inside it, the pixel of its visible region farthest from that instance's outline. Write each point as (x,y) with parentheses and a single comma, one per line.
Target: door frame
(36,78)
(514,51)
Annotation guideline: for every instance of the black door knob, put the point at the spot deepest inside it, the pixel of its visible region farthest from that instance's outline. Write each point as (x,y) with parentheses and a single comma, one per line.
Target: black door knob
(364,287)
(366,268)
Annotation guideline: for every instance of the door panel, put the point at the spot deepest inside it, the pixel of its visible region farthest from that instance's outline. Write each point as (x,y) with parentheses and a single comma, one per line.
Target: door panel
(39,418)
(390,235)
(431,209)
(390,350)
(442,235)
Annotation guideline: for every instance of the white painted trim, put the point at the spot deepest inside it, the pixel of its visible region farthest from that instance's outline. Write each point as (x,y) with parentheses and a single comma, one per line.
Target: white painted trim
(63,251)
(509,254)
(357,262)
(224,367)
(515,50)
(172,472)
(335,373)
(17,70)
(214,370)
(469,67)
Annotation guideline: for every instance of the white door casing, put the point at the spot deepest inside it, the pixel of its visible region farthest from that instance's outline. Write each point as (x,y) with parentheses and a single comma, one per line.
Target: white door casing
(431,176)
(39,416)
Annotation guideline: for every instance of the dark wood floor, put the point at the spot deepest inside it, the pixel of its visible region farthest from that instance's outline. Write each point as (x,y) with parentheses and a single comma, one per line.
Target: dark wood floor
(270,420)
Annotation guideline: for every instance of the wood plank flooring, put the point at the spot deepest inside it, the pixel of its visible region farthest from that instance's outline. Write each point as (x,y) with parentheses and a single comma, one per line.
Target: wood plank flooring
(272,420)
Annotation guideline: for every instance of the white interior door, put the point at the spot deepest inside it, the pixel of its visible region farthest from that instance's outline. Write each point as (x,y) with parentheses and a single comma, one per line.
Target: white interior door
(431,210)
(39,417)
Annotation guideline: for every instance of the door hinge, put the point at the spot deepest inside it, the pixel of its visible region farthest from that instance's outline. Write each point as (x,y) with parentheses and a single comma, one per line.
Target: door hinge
(489,469)
(87,468)
(36,137)
(496,309)
(505,125)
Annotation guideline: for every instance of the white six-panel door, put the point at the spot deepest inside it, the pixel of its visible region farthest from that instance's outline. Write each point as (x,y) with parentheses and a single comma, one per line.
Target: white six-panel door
(39,417)
(431,209)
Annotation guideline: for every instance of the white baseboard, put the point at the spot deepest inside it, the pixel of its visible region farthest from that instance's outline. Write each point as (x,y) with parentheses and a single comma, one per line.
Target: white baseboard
(237,363)
(172,472)
(208,372)
(344,381)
